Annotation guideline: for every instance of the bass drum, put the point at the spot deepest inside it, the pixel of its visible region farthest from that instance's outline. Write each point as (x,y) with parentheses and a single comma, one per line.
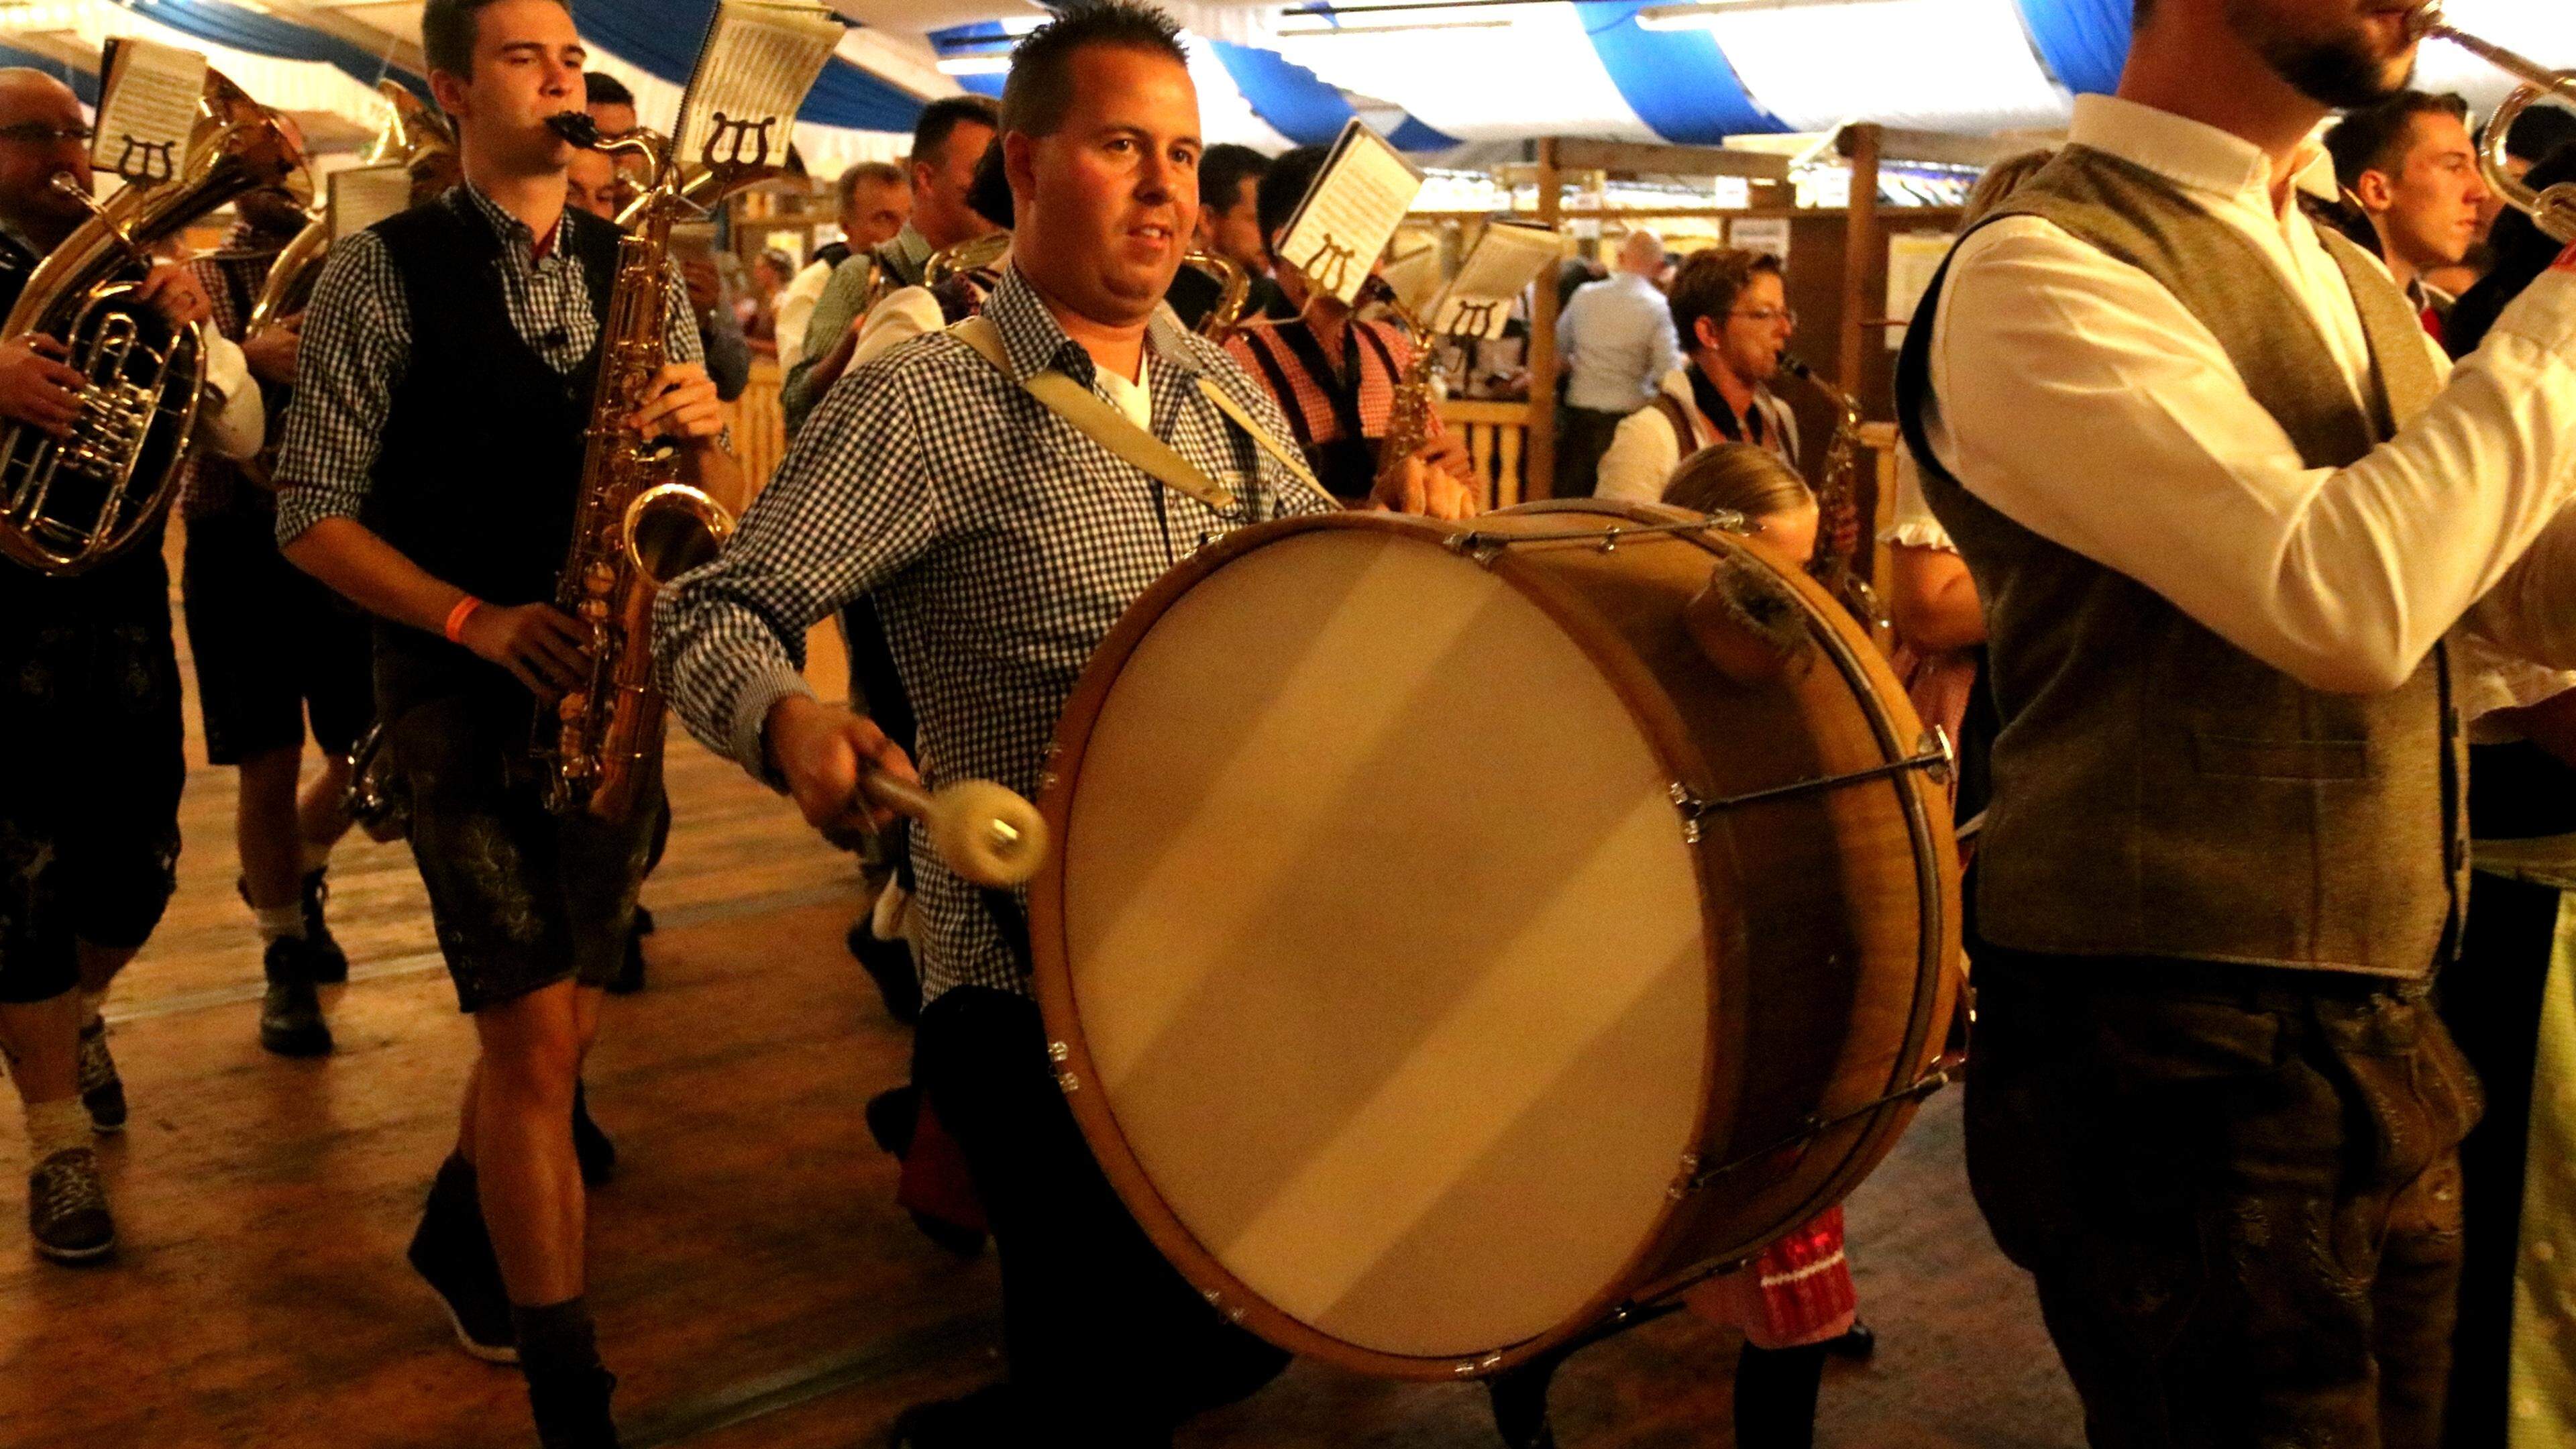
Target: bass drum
(1459,935)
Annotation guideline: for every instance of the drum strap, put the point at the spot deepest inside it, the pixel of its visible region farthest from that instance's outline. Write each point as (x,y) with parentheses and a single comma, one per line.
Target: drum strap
(1114,430)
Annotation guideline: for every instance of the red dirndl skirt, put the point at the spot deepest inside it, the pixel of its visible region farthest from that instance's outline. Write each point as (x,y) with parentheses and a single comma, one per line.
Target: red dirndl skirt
(1796,1292)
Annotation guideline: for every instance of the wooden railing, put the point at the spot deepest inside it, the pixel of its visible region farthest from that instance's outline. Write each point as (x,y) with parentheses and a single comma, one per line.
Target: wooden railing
(759,430)
(1498,441)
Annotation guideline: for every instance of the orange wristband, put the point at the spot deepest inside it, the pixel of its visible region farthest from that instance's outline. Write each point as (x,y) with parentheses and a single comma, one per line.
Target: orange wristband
(457,616)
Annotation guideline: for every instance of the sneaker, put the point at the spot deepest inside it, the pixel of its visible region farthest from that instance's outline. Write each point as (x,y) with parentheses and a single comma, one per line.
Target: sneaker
(452,1252)
(67,1209)
(330,963)
(102,1090)
(290,1015)
(590,1146)
(571,1410)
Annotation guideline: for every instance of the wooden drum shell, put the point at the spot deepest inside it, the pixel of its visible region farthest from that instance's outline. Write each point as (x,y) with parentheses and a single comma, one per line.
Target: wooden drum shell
(1828,919)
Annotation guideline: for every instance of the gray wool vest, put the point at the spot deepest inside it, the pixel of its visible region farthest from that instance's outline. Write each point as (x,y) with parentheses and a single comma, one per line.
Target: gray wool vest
(2158,791)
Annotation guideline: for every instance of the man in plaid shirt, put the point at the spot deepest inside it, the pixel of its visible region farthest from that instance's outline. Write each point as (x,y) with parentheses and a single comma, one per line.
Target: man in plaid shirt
(271,646)
(1001,543)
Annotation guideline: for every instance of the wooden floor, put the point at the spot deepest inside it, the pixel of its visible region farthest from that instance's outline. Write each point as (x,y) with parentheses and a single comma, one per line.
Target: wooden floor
(755,1285)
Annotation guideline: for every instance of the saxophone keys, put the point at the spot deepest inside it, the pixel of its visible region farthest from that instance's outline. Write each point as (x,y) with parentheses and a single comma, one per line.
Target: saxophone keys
(570,710)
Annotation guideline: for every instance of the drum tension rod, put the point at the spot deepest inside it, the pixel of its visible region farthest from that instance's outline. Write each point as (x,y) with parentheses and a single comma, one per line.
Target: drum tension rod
(1483,546)
(1809,1128)
(1933,756)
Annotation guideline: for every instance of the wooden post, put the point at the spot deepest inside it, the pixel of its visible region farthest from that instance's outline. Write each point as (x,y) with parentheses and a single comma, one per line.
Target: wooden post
(1540,457)
(1860,251)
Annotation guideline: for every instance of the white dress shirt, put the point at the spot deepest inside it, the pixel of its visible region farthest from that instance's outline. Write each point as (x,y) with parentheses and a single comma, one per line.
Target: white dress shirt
(796,309)
(1643,451)
(2078,397)
(234,418)
(1617,338)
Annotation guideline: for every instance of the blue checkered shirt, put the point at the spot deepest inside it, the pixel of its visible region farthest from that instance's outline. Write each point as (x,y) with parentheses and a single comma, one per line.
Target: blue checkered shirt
(1000,544)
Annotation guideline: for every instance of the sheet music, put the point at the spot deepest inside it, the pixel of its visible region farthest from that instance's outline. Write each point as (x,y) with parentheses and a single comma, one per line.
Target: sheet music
(1350,213)
(361,196)
(1507,258)
(148,110)
(761,57)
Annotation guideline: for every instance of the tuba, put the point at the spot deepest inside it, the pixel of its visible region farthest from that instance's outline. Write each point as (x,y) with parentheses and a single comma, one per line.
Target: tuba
(1234,289)
(68,505)
(414,134)
(2553,210)
(948,263)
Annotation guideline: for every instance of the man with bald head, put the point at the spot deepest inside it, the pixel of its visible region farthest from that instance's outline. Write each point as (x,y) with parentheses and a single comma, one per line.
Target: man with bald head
(1617,342)
(89,702)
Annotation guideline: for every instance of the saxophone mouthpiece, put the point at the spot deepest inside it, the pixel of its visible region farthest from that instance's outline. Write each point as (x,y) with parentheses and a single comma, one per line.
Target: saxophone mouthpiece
(576,127)
(1790,364)
(2424,21)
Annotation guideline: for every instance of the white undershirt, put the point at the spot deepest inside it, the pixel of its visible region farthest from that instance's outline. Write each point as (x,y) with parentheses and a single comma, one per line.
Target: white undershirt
(2077,396)
(1135,399)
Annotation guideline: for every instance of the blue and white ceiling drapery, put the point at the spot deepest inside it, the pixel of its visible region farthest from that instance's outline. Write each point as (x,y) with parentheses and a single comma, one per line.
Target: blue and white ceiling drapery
(1427,76)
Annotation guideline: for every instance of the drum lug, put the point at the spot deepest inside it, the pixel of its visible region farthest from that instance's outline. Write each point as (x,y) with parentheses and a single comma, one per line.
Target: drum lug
(1217,1301)
(1686,1181)
(1692,809)
(1059,1053)
(1469,1368)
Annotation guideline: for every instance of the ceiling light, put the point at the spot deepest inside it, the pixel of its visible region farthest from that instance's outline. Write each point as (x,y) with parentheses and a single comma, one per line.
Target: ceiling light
(975,65)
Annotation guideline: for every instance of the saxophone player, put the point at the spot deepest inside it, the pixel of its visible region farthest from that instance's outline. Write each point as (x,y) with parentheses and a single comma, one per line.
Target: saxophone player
(430,474)
(1335,375)
(89,703)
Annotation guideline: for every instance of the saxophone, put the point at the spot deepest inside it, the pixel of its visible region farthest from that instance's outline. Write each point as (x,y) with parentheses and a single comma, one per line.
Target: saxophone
(636,526)
(68,505)
(1409,416)
(1838,526)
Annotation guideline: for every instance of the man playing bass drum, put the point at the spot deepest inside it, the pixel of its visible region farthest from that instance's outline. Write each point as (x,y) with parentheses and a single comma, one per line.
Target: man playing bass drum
(432,460)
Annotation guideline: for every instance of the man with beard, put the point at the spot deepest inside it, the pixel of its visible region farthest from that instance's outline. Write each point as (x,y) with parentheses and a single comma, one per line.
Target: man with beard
(1001,543)
(272,649)
(2223,511)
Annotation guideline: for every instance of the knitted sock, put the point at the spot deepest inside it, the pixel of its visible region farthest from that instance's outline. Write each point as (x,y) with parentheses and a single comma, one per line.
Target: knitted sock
(54,1127)
(277,922)
(556,1340)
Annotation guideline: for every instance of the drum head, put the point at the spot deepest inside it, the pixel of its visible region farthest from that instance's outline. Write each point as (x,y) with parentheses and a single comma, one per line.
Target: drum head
(1383,945)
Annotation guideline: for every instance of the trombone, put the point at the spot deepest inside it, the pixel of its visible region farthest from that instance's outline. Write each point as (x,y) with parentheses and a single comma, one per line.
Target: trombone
(2553,210)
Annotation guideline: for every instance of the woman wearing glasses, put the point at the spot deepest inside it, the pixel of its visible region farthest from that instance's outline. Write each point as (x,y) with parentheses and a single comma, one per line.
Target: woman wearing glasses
(1732,310)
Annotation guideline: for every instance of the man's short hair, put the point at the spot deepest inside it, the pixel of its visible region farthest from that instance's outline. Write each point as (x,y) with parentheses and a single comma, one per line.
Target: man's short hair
(2375,137)
(940,120)
(447,33)
(1284,185)
(883,173)
(1222,172)
(1039,94)
(1709,285)
(604,89)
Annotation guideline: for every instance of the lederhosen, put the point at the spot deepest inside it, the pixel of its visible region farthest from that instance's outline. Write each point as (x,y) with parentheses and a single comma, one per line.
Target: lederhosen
(476,477)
